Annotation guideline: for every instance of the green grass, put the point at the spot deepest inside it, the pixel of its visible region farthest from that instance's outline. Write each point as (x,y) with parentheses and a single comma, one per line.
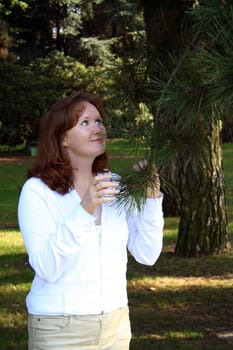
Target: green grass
(15,276)
(228,174)
(178,304)
(12,176)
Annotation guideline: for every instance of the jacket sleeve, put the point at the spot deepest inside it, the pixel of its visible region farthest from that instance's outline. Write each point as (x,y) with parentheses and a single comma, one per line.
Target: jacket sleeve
(50,244)
(146,232)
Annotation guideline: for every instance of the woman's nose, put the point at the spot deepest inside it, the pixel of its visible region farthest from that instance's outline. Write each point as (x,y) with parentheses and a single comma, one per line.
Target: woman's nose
(99,128)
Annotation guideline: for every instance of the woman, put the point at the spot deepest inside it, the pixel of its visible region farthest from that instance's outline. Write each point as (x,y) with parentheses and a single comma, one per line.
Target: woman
(76,237)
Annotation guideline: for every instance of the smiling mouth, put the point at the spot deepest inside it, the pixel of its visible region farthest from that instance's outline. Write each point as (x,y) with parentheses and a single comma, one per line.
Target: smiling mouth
(98,140)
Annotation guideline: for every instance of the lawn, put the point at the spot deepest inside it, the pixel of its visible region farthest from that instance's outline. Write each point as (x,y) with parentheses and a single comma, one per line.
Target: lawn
(176,304)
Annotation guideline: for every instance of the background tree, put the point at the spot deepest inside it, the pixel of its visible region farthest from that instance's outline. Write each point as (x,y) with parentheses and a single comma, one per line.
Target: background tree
(39,27)
(186,127)
(26,92)
(4,40)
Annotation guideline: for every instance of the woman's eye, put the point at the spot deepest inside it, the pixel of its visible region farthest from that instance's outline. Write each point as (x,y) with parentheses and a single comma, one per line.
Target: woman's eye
(84,122)
(99,122)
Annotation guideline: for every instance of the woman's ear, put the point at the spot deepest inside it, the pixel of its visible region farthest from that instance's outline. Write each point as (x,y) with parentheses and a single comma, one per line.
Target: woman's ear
(64,142)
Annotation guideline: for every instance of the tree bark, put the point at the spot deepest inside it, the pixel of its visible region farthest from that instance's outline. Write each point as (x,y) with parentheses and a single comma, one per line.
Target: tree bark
(165,24)
(203,217)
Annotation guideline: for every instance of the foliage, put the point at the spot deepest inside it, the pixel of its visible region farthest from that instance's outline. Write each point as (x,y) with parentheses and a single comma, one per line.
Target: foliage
(26,92)
(59,48)
(216,51)
(21,103)
(98,51)
(39,27)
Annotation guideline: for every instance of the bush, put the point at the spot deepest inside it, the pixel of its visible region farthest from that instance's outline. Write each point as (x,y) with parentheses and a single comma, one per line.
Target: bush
(26,92)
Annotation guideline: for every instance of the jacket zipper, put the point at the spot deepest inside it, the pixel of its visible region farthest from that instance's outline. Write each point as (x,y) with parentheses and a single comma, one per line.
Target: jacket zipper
(101,269)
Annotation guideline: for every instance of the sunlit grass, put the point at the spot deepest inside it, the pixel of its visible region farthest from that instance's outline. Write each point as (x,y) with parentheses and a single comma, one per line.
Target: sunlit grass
(15,276)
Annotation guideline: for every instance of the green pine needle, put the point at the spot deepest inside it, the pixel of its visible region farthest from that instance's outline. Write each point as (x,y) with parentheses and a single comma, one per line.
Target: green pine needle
(134,186)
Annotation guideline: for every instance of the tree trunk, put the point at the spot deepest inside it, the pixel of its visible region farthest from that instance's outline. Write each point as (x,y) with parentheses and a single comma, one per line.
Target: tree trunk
(166,25)
(203,217)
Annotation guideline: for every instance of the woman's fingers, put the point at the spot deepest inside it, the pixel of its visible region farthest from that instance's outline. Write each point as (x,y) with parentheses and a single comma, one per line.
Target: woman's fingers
(105,187)
(153,189)
(101,190)
(142,164)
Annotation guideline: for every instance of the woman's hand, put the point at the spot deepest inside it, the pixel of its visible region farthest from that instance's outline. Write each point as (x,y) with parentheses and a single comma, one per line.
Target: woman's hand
(153,191)
(101,190)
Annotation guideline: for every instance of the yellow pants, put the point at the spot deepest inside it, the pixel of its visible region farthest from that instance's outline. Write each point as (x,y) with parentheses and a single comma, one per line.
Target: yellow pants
(110,331)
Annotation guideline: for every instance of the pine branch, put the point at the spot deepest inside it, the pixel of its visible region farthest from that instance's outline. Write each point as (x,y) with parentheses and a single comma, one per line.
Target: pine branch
(135,186)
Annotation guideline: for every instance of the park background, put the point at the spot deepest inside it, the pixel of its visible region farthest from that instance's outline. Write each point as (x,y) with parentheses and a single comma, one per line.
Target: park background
(164,70)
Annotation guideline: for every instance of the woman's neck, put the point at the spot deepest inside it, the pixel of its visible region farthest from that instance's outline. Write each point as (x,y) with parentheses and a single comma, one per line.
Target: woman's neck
(82,178)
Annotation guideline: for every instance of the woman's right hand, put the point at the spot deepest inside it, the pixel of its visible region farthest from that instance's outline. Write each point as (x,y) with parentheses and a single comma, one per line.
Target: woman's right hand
(101,190)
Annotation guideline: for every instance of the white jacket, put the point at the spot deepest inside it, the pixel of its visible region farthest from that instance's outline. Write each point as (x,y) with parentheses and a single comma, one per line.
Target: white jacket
(81,268)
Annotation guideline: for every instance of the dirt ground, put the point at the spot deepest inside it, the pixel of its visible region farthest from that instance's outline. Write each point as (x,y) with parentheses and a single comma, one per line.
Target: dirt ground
(14,158)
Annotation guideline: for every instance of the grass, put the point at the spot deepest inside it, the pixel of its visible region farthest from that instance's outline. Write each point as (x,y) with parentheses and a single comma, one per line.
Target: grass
(12,176)
(178,304)
(15,276)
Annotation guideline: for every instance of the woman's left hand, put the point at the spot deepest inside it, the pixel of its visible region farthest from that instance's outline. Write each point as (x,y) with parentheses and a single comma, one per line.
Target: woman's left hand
(154,190)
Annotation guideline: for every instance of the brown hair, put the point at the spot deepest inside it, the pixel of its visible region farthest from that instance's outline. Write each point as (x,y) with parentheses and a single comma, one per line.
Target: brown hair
(52,165)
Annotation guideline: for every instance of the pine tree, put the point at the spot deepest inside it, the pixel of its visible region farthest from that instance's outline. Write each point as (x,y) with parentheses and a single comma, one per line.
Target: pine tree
(188,89)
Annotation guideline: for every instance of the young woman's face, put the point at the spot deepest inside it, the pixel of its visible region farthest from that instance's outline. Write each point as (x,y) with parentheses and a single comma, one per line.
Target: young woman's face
(87,138)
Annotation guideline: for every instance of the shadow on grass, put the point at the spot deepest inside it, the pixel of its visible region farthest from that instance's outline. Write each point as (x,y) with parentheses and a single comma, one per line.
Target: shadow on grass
(14,338)
(171,343)
(189,318)
(181,303)
(13,317)
(171,265)
(15,269)
(16,276)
